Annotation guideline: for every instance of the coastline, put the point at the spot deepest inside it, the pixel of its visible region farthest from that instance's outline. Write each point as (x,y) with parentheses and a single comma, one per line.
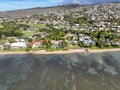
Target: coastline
(61,52)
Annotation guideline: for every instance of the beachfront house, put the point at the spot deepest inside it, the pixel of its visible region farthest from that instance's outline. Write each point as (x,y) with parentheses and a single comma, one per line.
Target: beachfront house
(18,45)
(56,44)
(36,43)
(1,47)
(89,42)
(116,43)
(73,42)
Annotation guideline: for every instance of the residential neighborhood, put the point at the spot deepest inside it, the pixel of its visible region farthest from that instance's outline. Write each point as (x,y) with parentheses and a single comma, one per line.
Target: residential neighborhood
(80,27)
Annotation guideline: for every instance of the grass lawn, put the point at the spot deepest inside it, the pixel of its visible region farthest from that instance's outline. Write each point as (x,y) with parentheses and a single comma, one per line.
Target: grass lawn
(37,49)
(97,48)
(35,25)
(74,47)
(1,26)
(13,50)
(94,48)
(16,50)
(28,33)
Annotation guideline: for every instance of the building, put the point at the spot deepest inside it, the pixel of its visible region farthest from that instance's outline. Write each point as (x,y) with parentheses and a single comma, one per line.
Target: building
(88,42)
(17,45)
(36,43)
(56,44)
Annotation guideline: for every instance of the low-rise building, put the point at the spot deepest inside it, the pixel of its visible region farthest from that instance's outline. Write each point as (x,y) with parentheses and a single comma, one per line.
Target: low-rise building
(56,44)
(36,43)
(17,45)
(88,42)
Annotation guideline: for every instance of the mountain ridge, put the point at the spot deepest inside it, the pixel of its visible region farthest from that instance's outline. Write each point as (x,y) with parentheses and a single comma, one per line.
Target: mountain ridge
(53,9)
(65,5)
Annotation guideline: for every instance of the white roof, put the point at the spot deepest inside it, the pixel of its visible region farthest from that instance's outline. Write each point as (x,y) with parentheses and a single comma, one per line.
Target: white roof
(19,44)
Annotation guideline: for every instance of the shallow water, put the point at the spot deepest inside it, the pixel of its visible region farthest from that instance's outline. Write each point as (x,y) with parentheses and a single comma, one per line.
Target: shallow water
(100,71)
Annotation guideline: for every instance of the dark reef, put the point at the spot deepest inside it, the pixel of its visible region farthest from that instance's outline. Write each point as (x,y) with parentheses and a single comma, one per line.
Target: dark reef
(100,71)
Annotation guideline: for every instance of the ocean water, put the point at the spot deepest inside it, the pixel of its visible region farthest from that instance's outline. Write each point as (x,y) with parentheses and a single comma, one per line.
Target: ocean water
(78,71)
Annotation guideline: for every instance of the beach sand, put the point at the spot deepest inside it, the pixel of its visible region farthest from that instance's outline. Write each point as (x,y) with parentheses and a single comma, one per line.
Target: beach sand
(62,52)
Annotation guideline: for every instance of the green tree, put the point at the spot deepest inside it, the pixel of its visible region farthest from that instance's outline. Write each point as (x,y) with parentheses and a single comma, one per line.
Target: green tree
(105,34)
(3,37)
(63,44)
(80,44)
(100,43)
(11,40)
(6,47)
(10,28)
(29,47)
(47,45)
(94,34)
(18,33)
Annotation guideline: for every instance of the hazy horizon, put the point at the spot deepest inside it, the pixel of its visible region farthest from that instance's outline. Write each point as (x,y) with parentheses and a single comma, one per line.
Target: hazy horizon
(6,5)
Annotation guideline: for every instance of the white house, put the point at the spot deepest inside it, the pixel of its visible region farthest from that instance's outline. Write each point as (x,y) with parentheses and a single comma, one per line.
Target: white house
(1,47)
(16,45)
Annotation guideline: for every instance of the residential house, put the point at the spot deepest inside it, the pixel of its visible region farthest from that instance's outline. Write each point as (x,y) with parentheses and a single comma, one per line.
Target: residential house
(36,43)
(73,42)
(17,45)
(118,29)
(88,42)
(56,44)
(1,47)
(83,37)
(116,43)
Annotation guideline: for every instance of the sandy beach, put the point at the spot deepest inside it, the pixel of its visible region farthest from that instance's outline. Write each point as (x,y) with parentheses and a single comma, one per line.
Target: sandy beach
(62,52)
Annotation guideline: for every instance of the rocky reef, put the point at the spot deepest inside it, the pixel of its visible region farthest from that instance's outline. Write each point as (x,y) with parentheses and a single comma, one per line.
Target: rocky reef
(78,71)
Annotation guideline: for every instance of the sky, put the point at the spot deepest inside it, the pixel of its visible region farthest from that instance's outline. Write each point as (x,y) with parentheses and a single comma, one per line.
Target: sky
(6,5)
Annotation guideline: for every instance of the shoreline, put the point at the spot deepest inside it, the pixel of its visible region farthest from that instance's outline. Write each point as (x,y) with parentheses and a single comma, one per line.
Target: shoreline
(43,52)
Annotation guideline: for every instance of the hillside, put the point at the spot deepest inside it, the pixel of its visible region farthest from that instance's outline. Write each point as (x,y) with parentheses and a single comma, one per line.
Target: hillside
(38,10)
(100,71)
(91,9)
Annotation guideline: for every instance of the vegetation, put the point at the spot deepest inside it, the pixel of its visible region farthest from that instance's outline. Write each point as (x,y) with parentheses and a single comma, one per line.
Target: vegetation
(61,30)
(63,45)
(10,29)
